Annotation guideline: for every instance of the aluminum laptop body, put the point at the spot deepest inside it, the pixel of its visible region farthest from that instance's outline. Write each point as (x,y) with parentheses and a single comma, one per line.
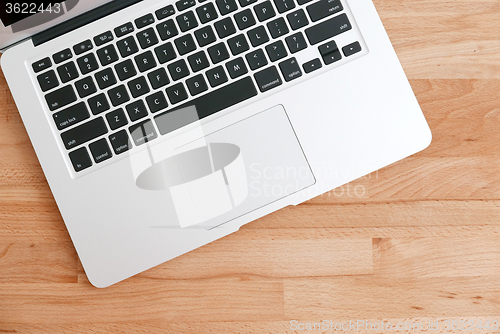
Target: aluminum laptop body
(150,185)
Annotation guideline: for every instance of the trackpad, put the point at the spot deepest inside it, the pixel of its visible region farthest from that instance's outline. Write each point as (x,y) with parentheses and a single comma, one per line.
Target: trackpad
(239,169)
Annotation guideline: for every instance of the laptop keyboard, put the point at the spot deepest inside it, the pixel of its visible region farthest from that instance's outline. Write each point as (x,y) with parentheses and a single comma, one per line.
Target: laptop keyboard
(210,54)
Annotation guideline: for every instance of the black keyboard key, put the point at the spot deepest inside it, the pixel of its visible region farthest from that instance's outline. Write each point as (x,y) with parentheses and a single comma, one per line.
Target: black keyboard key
(268,79)
(205,36)
(226,6)
(244,3)
(323,8)
(165,12)
(167,30)
(84,133)
(41,65)
(238,44)
(328,29)
(264,11)
(178,70)
(165,53)
(147,38)
(156,102)
(100,150)
(207,12)
(258,36)
(125,70)
(127,46)
(177,93)
(83,47)
(208,104)
(136,110)
(312,65)
(218,53)
(284,5)
(158,78)
(330,52)
(196,84)
(351,49)
(116,119)
(143,132)
(244,19)
(145,61)
(87,63)
(138,87)
(296,42)
(71,116)
(124,29)
(60,98)
(256,59)
(85,87)
(107,55)
(185,4)
(297,19)
(47,80)
(62,56)
(118,95)
(216,76)
(225,27)
(187,21)
(290,69)
(185,44)
(103,38)
(332,57)
(236,68)
(67,72)
(278,27)
(327,48)
(105,78)
(80,159)
(144,21)
(276,51)
(120,142)
(198,61)
(98,104)
(301,2)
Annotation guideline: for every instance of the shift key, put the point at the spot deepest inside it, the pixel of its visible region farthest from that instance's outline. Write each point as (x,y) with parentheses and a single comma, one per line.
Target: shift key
(83,133)
(61,97)
(328,29)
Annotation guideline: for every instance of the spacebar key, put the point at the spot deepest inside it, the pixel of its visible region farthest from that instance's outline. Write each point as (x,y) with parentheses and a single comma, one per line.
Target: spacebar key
(327,29)
(208,104)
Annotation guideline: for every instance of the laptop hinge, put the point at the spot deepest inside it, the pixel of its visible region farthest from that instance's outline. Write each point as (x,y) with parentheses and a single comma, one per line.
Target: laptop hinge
(81,20)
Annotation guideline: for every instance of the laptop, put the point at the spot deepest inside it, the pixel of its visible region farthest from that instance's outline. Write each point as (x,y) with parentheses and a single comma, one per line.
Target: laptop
(162,126)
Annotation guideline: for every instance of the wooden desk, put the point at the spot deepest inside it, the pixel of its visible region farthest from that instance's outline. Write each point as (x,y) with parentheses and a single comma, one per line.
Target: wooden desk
(415,242)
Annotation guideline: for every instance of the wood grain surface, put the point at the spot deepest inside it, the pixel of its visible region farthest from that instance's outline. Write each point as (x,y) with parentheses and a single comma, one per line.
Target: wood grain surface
(417,242)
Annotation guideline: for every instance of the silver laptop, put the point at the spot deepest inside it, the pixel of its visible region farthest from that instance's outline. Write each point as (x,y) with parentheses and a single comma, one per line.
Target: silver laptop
(162,126)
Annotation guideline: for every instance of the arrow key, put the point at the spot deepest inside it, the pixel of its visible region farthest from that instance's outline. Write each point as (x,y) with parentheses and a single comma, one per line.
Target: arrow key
(351,49)
(330,52)
(312,65)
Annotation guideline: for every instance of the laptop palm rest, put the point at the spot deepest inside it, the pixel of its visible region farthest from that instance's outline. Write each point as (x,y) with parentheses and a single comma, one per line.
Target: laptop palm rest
(236,170)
